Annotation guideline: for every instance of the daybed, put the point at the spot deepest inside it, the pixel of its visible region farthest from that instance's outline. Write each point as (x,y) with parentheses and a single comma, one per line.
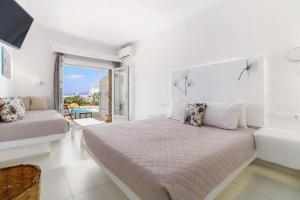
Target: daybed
(32,134)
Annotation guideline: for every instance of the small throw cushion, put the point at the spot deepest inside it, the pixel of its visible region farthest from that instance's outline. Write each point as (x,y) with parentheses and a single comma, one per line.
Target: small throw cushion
(12,110)
(194,113)
(26,102)
(2,104)
(177,110)
(39,103)
(225,116)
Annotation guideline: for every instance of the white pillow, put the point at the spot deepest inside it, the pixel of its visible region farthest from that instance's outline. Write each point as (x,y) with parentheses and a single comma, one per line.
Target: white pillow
(220,115)
(243,120)
(177,110)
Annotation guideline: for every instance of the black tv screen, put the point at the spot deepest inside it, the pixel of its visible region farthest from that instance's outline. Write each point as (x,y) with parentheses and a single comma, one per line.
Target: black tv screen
(14,23)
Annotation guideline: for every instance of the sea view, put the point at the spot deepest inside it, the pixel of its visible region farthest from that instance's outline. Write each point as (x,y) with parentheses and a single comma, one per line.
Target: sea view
(80,80)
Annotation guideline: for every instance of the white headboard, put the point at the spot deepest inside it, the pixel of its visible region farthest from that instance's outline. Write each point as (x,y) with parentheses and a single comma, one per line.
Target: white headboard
(219,83)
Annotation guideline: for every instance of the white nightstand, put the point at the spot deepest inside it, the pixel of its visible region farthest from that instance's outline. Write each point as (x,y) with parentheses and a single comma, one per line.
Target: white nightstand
(278,146)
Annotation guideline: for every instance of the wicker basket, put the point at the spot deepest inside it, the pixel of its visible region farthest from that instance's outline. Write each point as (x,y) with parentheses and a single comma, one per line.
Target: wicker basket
(20,182)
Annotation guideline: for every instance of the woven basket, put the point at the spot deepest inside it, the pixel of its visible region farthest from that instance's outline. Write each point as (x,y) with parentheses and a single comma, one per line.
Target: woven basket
(20,182)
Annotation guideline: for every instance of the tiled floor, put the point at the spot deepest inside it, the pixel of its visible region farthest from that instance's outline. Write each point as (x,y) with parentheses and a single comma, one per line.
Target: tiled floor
(68,173)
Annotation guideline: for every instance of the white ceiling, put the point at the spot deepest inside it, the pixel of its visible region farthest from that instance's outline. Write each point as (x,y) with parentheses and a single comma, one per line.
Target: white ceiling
(115,22)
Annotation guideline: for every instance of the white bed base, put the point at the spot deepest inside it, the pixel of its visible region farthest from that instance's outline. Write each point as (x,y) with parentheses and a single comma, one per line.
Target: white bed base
(132,196)
(12,150)
(215,192)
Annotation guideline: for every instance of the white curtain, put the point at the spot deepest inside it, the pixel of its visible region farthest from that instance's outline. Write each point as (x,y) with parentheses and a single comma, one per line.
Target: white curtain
(58,83)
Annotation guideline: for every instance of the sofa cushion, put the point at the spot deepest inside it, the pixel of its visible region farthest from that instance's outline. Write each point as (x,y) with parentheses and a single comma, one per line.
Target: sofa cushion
(12,110)
(26,102)
(39,103)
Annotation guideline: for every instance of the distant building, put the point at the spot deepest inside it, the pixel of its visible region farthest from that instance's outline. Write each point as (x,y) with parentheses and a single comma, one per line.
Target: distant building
(93,90)
(85,95)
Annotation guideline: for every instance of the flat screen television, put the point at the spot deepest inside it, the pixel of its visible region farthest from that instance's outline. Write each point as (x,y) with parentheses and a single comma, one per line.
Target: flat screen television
(15,23)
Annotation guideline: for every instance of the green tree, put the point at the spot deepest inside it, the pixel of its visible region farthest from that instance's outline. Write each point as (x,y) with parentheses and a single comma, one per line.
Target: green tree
(95,98)
(76,99)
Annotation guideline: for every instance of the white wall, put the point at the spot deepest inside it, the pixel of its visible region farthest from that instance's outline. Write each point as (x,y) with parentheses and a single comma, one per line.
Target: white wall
(233,29)
(35,60)
(4,82)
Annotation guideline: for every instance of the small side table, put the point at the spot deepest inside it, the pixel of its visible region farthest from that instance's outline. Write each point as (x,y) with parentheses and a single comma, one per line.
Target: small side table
(83,113)
(82,123)
(278,146)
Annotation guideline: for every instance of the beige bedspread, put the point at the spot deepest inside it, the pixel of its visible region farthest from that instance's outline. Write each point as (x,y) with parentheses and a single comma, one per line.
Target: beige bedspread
(162,159)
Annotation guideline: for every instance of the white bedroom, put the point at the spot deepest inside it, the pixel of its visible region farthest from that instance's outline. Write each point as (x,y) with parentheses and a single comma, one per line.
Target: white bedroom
(200,100)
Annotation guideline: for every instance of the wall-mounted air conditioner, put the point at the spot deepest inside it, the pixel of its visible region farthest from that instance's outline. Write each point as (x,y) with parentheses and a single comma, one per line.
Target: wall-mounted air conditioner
(126,52)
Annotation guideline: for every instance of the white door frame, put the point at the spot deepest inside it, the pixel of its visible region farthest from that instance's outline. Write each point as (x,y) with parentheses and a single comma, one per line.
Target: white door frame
(87,66)
(126,95)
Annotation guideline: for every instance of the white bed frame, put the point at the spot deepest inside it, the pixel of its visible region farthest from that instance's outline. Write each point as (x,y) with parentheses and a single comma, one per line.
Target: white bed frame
(216,82)
(16,149)
(132,196)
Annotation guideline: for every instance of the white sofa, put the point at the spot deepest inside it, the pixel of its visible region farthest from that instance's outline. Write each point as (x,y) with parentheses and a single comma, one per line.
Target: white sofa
(31,135)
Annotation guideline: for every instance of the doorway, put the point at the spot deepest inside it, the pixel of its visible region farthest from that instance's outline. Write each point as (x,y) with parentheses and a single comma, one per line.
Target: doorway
(86,91)
(102,92)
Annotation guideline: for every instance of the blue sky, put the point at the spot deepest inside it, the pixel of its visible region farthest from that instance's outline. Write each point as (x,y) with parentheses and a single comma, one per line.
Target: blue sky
(80,79)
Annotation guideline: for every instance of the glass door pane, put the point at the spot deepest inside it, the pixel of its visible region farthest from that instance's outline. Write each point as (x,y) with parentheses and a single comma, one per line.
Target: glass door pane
(121,87)
(81,90)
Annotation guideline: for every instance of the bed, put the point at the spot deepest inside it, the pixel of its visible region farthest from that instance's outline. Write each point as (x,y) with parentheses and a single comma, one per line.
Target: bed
(164,159)
(167,160)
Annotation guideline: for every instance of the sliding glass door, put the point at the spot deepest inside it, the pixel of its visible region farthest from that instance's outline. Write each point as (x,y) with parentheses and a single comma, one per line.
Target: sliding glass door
(121,93)
(86,90)
(102,92)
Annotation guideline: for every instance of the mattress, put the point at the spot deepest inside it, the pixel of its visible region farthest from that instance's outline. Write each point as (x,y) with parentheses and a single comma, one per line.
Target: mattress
(164,159)
(36,123)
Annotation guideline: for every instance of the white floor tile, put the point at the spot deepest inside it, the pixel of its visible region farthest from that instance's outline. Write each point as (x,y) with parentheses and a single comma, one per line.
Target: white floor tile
(237,192)
(54,185)
(84,176)
(95,194)
(273,184)
(113,192)
(43,161)
(68,150)
(107,191)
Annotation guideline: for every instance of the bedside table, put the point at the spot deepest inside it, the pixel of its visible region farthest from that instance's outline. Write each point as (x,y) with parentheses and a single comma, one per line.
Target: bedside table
(278,146)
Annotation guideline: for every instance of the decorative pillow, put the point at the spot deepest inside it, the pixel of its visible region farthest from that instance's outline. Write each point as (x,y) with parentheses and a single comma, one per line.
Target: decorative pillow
(12,110)
(39,103)
(26,102)
(177,110)
(225,116)
(194,113)
(2,104)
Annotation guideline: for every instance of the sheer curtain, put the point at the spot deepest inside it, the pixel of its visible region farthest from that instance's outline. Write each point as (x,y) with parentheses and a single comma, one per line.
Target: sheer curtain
(58,83)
